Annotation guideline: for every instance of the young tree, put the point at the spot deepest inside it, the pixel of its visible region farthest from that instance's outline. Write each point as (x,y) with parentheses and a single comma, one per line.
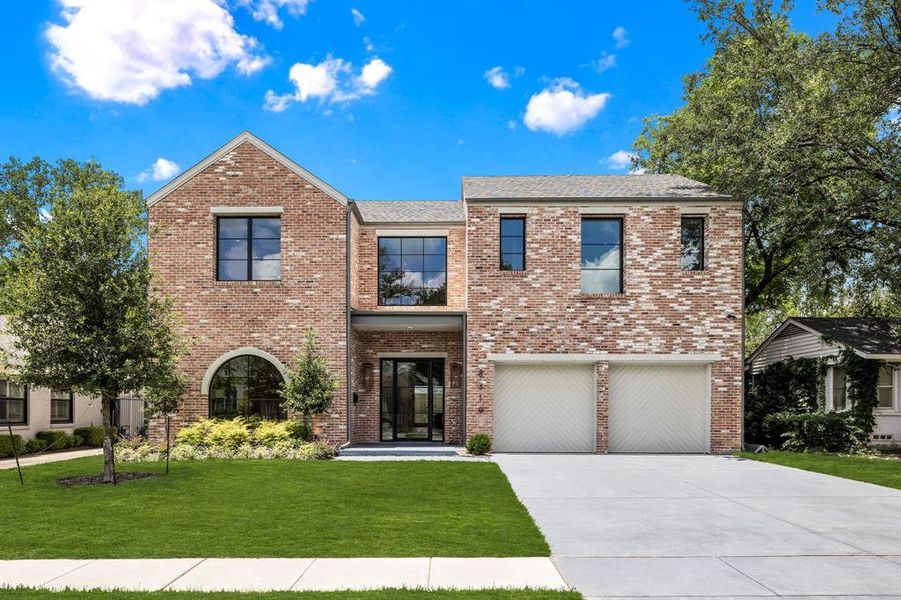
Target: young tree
(310,384)
(79,293)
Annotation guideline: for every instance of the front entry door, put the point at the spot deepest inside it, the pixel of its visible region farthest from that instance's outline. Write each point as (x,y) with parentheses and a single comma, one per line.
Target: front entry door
(412,399)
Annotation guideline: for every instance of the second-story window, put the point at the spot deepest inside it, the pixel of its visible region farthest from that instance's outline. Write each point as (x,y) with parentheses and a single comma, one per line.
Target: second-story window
(602,255)
(249,249)
(13,403)
(692,243)
(513,243)
(413,271)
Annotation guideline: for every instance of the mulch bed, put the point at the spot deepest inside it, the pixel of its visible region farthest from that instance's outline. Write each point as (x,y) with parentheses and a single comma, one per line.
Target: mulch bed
(98,479)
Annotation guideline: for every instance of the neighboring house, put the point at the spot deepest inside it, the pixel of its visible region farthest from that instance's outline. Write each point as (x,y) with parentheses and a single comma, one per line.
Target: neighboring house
(32,409)
(870,338)
(558,314)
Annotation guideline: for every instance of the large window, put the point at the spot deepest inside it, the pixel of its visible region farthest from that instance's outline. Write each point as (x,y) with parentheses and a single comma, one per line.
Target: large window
(13,403)
(249,249)
(246,386)
(60,407)
(692,243)
(602,256)
(413,271)
(513,243)
(886,387)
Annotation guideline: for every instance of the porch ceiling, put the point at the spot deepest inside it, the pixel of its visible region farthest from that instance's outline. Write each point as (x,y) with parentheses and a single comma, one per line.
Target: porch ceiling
(407,322)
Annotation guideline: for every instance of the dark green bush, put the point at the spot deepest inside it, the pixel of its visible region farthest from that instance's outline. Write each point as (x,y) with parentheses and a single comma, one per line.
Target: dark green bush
(831,432)
(6,445)
(790,386)
(36,445)
(479,444)
(299,431)
(56,440)
(92,437)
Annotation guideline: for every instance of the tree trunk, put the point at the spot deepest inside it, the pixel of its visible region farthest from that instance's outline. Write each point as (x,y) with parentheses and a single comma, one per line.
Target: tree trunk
(109,465)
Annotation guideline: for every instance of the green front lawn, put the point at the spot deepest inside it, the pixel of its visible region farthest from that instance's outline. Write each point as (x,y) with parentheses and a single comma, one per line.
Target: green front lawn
(268,509)
(861,468)
(32,594)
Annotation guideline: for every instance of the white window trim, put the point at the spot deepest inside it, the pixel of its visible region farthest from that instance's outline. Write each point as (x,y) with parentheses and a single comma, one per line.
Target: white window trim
(247,350)
(896,394)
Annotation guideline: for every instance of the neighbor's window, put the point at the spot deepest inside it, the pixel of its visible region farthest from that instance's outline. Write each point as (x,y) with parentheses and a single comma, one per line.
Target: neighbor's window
(602,256)
(692,243)
(60,407)
(513,243)
(413,271)
(885,388)
(249,249)
(13,403)
(839,389)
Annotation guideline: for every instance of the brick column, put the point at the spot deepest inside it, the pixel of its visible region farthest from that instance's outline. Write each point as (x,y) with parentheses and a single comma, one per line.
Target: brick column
(602,375)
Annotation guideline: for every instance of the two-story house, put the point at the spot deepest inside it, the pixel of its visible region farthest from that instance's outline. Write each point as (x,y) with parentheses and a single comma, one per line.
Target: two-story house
(556,313)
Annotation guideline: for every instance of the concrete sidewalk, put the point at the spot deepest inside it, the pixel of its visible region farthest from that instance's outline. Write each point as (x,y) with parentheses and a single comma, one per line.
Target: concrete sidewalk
(41,459)
(282,574)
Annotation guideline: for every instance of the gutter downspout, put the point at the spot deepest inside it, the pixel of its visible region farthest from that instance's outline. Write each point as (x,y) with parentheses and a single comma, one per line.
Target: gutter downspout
(347,328)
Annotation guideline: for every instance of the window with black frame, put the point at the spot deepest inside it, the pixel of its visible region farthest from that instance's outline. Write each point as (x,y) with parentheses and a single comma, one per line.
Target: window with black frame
(602,255)
(60,407)
(513,243)
(246,386)
(249,249)
(692,243)
(13,403)
(412,271)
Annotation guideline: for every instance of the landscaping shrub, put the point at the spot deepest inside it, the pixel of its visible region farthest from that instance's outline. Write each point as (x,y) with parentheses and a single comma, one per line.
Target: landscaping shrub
(299,431)
(195,434)
(90,436)
(479,444)
(56,440)
(789,386)
(831,432)
(181,452)
(267,433)
(228,434)
(35,445)
(7,444)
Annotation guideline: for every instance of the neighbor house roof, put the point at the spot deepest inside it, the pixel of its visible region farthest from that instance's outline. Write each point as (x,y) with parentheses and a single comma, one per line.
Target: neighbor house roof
(870,337)
(411,211)
(649,186)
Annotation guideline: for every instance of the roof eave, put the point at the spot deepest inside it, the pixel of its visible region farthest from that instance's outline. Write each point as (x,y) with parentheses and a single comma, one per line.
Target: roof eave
(711,198)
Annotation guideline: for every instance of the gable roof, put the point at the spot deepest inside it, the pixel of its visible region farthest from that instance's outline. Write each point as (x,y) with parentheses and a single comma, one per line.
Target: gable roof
(870,337)
(410,211)
(241,138)
(644,186)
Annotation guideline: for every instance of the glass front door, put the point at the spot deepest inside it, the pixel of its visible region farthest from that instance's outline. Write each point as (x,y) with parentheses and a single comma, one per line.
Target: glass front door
(412,399)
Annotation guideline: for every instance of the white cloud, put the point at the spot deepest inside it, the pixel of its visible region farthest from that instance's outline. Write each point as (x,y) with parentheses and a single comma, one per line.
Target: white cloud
(161,170)
(131,51)
(620,159)
(562,107)
(497,78)
(332,80)
(268,10)
(621,37)
(367,41)
(358,17)
(606,61)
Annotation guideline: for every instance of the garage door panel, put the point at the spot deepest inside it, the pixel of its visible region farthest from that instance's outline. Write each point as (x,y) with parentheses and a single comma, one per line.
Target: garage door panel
(544,408)
(658,408)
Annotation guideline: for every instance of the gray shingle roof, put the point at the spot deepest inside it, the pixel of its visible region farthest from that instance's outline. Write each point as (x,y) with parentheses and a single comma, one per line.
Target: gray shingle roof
(411,211)
(585,186)
(868,335)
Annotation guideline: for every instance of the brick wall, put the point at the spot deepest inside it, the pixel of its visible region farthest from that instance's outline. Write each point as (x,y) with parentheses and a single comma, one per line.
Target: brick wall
(270,316)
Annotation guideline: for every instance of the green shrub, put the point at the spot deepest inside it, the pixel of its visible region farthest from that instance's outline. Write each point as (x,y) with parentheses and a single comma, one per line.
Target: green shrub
(281,450)
(299,431)
(267,433)
(195,434)
(7,444)
(36,445)
(831,432)
(479,444)
(789,386)
(91,437)
(56,440)
(228,434)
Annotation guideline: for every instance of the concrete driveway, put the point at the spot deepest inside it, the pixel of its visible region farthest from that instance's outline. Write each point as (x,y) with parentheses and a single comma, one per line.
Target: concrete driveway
(639,525)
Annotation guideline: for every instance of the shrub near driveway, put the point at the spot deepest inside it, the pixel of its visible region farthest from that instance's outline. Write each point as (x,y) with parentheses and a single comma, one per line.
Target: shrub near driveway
(274,508)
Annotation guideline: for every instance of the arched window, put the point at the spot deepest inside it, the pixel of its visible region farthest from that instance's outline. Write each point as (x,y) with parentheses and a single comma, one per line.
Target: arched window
(246,386)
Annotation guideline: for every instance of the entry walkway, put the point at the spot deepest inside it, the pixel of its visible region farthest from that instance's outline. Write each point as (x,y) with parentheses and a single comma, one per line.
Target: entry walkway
(282,574)
(41,459)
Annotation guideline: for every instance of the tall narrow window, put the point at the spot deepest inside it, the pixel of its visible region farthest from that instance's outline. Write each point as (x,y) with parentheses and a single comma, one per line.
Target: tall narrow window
(839,390)
(60,407)
(249,249)
(513,243)
(692,243)
(413,271)
(602,256)
(886,387)
(13,403)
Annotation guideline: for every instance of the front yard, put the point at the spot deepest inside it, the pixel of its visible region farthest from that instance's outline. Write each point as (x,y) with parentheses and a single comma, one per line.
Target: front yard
(880,471)
(268,508)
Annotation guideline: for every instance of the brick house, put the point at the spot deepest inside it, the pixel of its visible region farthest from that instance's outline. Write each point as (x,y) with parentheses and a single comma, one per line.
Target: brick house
(558,314)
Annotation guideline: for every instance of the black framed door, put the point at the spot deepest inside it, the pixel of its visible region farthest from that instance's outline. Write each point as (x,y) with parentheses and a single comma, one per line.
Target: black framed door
(412,399)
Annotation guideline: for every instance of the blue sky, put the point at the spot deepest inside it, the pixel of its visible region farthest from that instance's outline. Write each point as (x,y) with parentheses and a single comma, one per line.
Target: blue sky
(380,99)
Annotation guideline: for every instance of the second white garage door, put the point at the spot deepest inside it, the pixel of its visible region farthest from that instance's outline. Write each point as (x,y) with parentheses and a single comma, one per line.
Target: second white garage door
(544,407)
(659,408)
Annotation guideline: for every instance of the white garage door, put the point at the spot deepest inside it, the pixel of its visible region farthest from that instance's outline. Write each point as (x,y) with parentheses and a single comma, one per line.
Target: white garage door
(544,408)
(658,408)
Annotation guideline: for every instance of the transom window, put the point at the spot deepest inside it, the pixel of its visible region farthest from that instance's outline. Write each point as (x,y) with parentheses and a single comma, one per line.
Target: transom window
(249,249)
(513,243)
(692,243)
(246,386)
(13,403)
(602,256)
(60,407)
(886,387)
(413,271)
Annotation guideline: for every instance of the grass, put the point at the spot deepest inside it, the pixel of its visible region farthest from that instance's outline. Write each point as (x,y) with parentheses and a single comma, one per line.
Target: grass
(268,509)
(860,468)
(33,594)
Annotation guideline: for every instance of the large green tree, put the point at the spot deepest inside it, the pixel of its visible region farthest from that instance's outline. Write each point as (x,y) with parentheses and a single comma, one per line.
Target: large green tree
(806,131)
(78,290)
